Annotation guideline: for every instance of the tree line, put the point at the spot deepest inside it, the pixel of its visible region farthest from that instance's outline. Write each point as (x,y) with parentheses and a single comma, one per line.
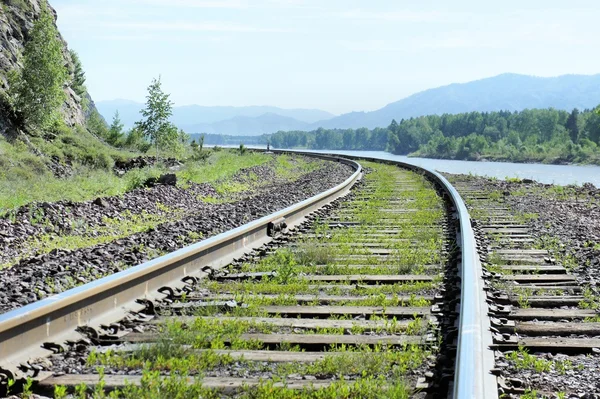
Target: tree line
(536,135)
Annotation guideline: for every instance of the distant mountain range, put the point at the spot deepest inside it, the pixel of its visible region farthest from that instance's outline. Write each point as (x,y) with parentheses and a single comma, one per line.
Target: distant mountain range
(252,120)
(510,92)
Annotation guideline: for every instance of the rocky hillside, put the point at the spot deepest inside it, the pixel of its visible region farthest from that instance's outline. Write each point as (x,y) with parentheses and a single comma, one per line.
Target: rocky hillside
(16,20)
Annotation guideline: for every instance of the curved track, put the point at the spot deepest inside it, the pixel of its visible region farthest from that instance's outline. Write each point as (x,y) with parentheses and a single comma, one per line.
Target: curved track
(544,315)
(363,301)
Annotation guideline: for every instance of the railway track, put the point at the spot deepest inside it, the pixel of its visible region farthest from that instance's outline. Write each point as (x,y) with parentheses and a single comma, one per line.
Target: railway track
(545,321)
(375,292)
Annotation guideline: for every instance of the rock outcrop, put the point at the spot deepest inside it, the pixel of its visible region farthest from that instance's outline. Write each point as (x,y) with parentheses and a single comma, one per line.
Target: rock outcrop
(16,20)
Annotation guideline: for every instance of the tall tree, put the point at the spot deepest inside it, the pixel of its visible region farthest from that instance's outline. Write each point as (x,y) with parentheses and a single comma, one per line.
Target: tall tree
(158,110)
(572,125)
(115,131)
(97,125)
(78,75)
(36,90)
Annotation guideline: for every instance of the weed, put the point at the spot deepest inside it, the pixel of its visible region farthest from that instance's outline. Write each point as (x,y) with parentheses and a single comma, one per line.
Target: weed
(495,196)
(563,366)
(530,394)
(357,371)
(523,360)
(307,254)
(193,235)
(523,299)
(9,384)
(27,392)
(589,301)
(513,179)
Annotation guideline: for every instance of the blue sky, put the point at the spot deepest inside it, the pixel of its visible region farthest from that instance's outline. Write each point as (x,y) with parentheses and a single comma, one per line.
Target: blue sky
(336,55)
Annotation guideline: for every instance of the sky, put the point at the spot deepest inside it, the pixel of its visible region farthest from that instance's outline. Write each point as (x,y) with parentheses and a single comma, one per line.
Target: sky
(335,55)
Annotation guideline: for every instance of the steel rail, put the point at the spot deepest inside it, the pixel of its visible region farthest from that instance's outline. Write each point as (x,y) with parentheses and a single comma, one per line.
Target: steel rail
(473,376)
(55,319)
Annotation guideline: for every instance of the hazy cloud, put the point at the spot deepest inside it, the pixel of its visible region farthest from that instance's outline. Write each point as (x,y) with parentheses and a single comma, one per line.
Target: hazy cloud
(192,27)
(396,16)
(193,3)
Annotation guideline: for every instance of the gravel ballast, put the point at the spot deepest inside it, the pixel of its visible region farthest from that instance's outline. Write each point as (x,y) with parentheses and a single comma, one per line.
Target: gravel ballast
(41,275)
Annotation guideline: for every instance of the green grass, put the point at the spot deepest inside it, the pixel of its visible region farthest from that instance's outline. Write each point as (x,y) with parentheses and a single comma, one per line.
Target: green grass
(221,165)
(168,356)
(111,229)
(220,169)
(561,251)
(153,385)
(358,371)
(521,359)
(25,178)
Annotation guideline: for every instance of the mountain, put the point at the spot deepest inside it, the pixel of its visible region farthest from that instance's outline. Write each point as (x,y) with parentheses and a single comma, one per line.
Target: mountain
(194,117)
(249,126)
(510,92)
(129,111)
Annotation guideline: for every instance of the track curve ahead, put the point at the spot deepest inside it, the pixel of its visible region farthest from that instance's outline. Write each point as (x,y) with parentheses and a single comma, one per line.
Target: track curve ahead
(95,309)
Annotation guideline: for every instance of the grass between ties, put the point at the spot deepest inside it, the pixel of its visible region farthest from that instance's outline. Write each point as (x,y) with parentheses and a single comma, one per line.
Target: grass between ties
(355,371)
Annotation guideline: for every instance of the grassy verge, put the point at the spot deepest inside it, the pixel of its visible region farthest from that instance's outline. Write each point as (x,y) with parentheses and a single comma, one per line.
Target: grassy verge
(25,177)
(225,170)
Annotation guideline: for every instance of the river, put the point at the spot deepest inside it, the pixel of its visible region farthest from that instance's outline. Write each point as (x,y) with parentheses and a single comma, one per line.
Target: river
(556,174)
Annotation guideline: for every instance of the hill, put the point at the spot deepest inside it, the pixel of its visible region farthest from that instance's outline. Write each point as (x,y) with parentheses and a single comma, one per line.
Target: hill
(63,157)
(236,120)
(249,126)
(511,92)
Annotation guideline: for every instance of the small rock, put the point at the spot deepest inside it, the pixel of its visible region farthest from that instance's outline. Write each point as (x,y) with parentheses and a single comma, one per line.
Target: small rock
(100,202)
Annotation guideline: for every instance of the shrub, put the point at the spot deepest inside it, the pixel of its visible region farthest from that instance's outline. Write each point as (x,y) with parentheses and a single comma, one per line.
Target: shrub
(36,90)
(135,179)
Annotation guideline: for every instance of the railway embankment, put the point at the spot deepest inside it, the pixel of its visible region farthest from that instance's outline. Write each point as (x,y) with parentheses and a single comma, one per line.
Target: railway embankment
(47,248)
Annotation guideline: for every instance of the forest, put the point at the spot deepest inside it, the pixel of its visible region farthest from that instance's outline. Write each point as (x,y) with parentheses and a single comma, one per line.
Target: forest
(535,135)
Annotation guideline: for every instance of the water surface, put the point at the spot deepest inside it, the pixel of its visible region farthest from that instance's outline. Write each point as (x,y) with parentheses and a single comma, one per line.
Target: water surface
(556,174)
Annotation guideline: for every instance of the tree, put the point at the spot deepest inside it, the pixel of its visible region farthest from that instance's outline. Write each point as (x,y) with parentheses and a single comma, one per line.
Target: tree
(572,125)
(592,126)
(115,131)
(78,75)
(36,91)
(135,140)
(201,142)
(156,126)
(97,125)
(197,153)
